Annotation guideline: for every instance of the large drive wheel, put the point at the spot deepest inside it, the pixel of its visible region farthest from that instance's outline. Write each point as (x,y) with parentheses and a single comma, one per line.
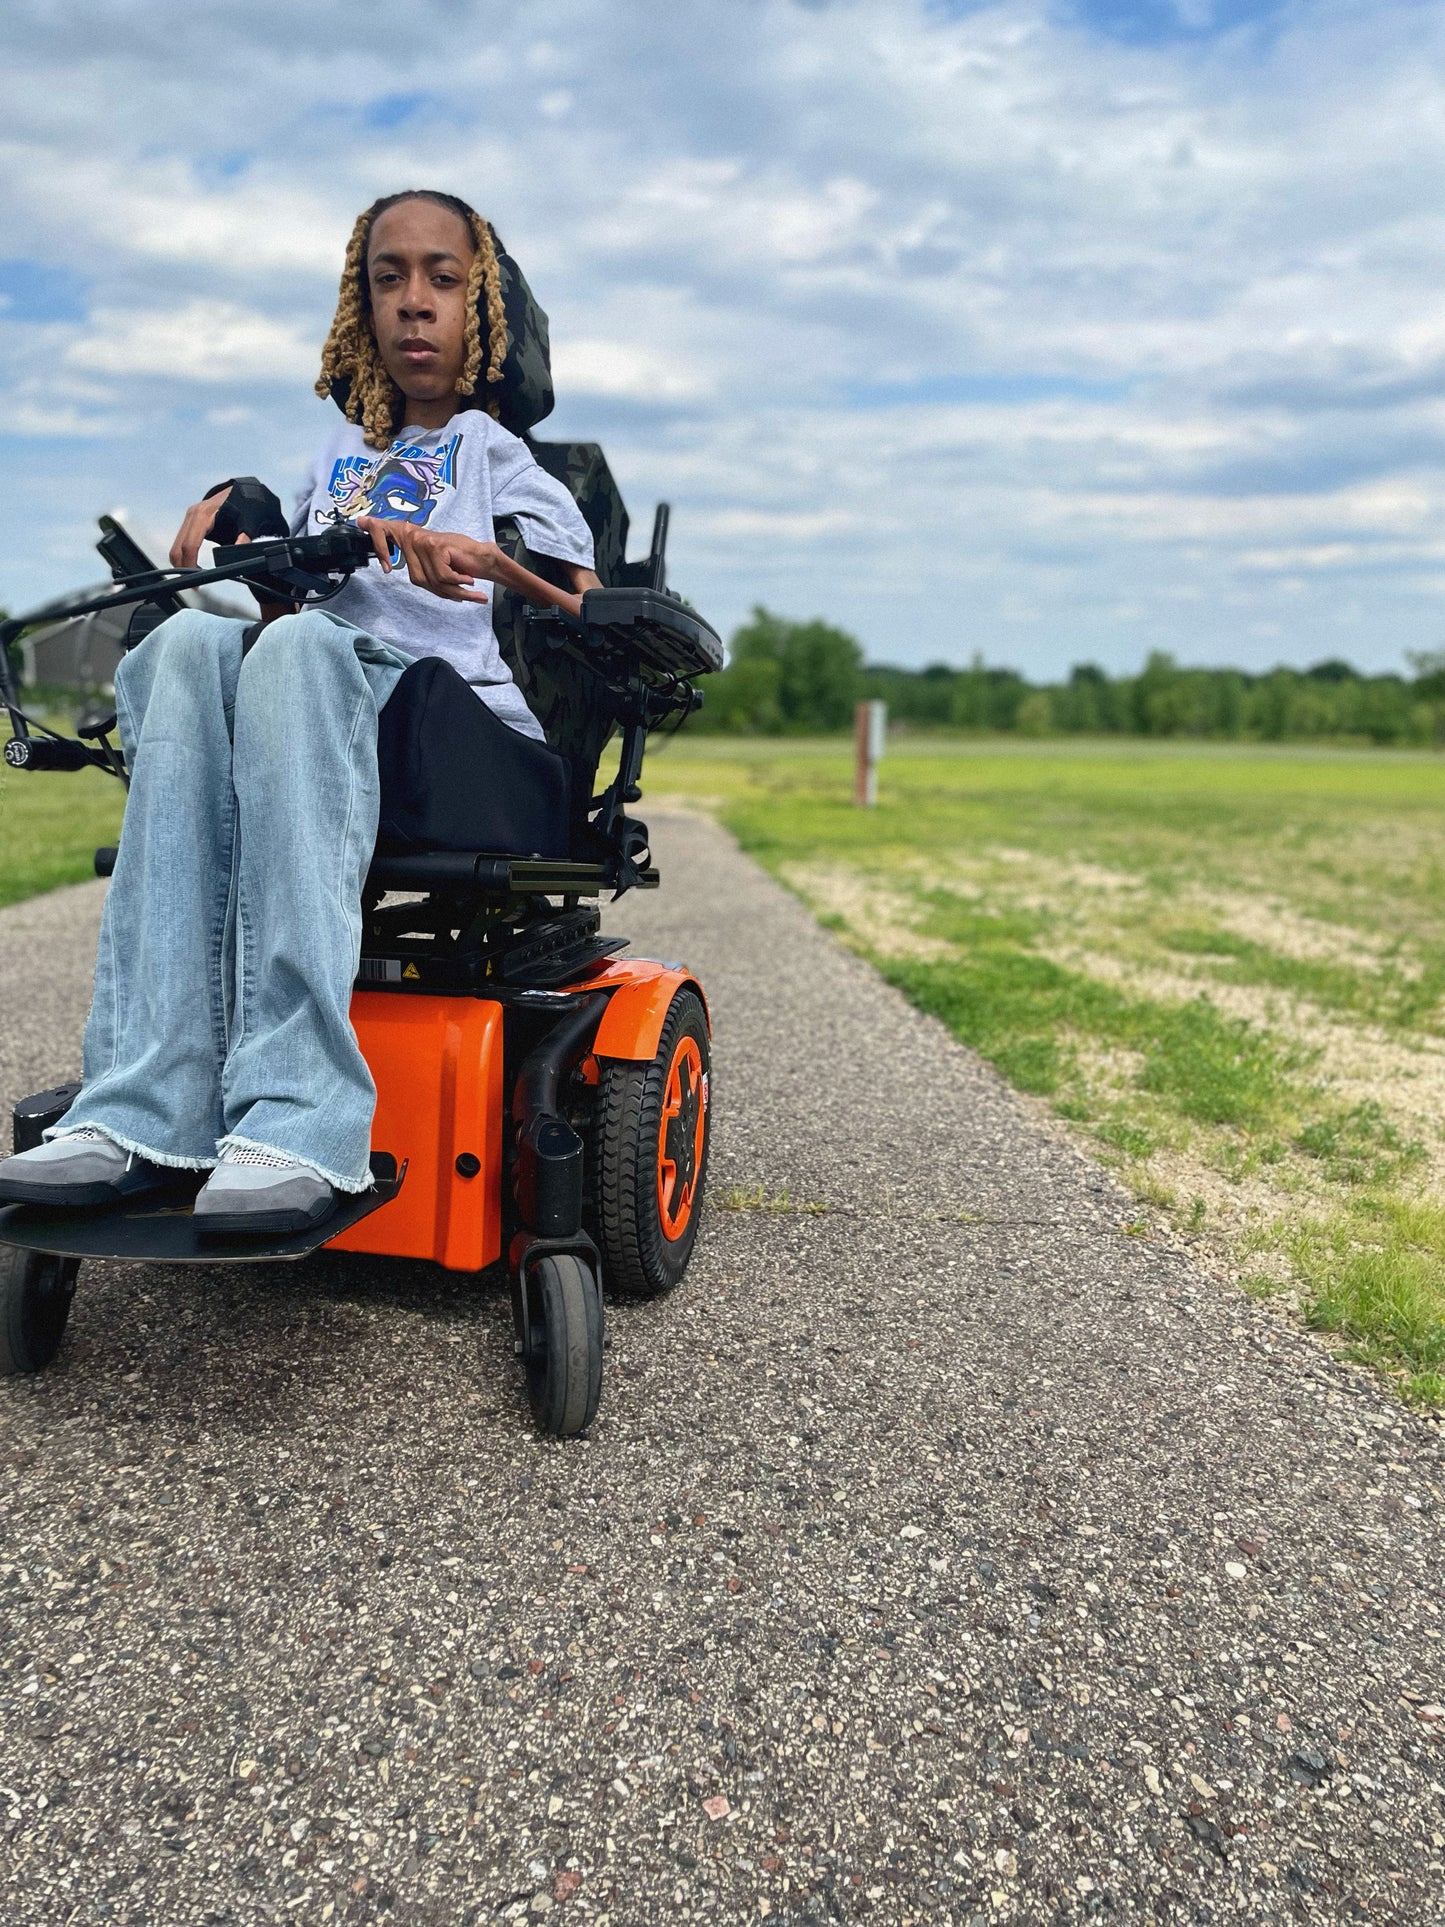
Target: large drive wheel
(35,1295)
(562,1344)
(651,1155)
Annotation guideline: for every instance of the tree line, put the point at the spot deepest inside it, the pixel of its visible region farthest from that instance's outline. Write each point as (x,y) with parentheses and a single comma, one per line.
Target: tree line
(804,678)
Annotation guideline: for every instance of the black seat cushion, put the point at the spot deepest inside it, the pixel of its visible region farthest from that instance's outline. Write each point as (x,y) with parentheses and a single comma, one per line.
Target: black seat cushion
(455,777)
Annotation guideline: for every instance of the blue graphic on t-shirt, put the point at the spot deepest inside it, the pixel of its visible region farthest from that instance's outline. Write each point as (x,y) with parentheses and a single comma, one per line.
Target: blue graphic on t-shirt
(403,484)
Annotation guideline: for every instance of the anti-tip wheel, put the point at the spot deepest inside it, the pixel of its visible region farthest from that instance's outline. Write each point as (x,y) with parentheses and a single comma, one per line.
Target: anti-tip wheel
(562,1344)
(35,1294)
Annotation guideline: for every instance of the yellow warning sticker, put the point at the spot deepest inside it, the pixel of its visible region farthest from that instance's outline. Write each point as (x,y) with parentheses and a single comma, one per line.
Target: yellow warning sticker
(411,971)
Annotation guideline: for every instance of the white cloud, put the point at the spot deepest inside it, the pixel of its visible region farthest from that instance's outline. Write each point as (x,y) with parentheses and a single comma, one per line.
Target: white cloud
(759,525)
(622,370)
(48,420)
(204,341)
(158,210)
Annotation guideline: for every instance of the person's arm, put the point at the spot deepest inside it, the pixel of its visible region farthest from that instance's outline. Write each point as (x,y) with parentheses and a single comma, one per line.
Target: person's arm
(451,565)
(543,509)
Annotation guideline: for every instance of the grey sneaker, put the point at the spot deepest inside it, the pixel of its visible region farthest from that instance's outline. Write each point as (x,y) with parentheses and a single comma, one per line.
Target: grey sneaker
(78,1170)
(263,1199)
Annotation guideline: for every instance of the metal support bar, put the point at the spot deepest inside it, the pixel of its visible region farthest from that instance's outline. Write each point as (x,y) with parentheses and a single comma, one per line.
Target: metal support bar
(9,694)
(657,556)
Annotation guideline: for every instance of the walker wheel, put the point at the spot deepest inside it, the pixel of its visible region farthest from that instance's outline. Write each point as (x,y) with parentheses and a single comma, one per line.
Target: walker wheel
(35,1294)
(562,1344)
(651,1148)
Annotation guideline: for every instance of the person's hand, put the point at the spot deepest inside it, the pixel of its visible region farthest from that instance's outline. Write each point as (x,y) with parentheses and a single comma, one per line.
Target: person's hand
(186,549)
(446,564)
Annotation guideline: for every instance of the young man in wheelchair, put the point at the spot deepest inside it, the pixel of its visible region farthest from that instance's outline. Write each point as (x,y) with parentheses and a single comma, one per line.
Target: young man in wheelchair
(219,1036)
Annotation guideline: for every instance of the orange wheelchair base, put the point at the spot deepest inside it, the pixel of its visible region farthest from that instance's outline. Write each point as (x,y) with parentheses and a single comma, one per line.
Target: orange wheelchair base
(439,1067)
(563,1130)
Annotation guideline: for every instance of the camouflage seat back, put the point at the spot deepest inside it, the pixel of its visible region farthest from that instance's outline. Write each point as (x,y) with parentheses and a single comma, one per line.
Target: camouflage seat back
(524,394)
(582,469)
(573,708)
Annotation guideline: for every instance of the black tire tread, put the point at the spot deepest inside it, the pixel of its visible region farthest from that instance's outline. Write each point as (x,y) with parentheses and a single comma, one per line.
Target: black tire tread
(29,1342)
(636,1262)
(565,1392)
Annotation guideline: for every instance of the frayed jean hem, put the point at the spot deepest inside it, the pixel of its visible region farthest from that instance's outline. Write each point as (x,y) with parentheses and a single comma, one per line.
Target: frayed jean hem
(166,1158)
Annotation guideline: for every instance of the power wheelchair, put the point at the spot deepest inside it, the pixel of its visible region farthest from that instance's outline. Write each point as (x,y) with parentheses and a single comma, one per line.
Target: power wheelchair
(542,1100)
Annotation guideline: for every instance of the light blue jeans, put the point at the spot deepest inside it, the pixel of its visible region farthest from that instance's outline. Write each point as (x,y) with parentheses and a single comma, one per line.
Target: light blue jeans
(232,927)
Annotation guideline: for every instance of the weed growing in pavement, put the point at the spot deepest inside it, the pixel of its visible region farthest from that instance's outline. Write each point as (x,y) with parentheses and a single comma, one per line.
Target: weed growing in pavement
(1221,966)
(757,1197)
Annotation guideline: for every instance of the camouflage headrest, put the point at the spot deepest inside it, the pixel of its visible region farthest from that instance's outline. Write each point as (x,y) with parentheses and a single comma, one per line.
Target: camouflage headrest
(524,394)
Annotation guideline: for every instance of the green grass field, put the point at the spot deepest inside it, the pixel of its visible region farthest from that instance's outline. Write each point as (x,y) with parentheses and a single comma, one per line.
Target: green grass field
(1224,968)
(51,824)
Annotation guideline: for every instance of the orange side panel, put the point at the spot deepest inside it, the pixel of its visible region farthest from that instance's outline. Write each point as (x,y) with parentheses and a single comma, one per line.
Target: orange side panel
(437,1062)
(632,1023)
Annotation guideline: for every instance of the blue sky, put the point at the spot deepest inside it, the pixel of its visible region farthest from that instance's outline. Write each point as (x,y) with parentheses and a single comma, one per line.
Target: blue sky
(1056,331)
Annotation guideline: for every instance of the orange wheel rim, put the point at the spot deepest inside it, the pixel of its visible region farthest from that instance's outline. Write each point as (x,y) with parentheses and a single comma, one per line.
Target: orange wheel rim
(680,1137)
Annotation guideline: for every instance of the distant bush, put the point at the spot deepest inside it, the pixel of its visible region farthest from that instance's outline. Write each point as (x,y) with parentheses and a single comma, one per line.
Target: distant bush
(804,677)
(781,676)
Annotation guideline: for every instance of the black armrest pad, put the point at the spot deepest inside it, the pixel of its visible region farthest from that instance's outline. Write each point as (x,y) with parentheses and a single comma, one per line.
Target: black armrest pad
(657,627)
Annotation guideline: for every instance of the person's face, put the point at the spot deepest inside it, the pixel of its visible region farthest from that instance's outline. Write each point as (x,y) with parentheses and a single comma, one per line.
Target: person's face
(417,262)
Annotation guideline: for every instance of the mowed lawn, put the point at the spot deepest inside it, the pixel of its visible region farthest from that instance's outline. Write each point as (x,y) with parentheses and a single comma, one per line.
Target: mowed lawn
(1224,968)
(52,823)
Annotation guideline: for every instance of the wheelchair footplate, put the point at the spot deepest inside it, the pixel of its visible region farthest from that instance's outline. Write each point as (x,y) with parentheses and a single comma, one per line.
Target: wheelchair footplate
(159,1228)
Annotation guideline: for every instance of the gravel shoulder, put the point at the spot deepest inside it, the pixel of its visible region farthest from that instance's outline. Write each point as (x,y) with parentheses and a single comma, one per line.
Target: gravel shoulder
(941,1553)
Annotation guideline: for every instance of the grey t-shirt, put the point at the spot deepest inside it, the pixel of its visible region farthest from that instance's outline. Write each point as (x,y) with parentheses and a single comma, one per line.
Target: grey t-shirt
(459,478)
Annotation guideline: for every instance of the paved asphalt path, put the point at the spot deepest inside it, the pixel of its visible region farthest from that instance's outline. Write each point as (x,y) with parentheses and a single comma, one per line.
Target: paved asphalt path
(941,1553)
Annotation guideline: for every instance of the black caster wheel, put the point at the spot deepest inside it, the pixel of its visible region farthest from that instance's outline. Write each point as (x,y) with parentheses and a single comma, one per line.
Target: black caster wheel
(35,1295)
(562,1344)
(651,1147)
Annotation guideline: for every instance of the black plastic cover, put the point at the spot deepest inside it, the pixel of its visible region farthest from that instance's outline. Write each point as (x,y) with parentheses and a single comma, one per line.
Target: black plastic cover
(548,1177)
(287,568)
(657,627)
(33,1116)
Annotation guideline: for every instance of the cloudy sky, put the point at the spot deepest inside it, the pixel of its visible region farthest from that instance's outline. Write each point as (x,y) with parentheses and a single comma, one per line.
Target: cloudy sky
(1051,331)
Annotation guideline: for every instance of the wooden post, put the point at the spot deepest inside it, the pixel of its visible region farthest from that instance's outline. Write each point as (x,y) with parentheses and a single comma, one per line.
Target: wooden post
(870,729)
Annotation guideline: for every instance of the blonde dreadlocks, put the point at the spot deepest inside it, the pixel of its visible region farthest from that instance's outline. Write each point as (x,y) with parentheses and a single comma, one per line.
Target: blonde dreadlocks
(351,354)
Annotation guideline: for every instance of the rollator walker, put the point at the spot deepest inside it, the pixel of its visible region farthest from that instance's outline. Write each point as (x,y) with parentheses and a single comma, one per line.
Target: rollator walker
(543,1099)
